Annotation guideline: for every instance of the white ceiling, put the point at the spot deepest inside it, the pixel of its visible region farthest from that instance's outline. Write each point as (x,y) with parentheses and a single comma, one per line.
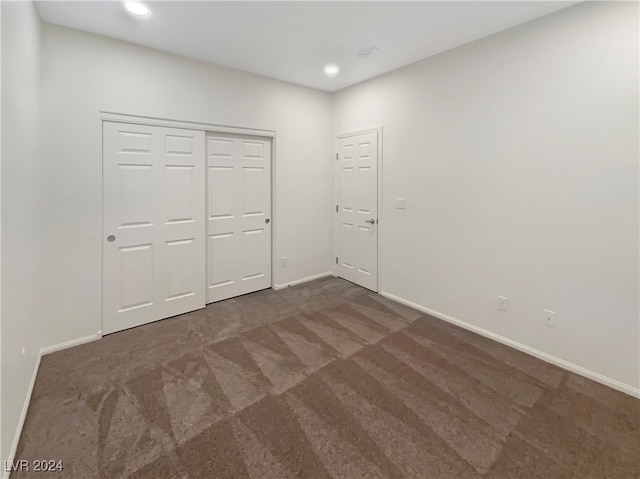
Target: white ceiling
(293,41)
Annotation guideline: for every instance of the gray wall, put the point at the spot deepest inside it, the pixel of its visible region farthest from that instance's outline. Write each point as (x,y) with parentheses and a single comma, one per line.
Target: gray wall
(23,245)
(518,158)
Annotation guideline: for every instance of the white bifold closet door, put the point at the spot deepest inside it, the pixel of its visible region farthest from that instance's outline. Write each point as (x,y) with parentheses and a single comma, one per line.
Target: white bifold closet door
(238,215)
(153,223)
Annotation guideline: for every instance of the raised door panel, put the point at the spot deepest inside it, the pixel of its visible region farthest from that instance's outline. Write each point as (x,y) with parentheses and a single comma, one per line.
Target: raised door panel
(221,186)
(366,242)
(135,203)
(221,196)
(180,144)
(222,260)
(180,195)
(254,253)
(253,191)
(348,232)
(135,277)
(182,278)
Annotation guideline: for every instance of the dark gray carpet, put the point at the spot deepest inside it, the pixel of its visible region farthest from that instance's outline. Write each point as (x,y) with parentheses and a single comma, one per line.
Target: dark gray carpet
(320,380)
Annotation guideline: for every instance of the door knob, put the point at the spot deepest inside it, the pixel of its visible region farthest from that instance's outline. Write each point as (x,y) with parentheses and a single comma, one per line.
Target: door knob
(372,221)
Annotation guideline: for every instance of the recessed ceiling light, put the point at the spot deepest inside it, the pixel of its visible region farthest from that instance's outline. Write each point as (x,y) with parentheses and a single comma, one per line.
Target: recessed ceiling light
(331,70)
(137,8)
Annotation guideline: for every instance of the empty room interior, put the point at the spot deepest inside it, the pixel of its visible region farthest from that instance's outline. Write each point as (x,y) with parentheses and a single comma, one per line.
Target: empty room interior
(320,239)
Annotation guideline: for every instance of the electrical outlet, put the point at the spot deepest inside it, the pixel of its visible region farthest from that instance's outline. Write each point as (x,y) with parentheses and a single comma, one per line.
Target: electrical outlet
(549,318)
(502,303)
(283,261)
(400,203)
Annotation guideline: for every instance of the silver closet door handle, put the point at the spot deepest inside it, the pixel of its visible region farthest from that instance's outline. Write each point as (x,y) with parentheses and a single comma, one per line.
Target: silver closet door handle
(372,221)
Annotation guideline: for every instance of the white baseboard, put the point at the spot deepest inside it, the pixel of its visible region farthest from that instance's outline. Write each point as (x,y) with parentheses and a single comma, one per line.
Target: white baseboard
(574,368)
(303,280)
(27,400)
(23,417)
(69,344)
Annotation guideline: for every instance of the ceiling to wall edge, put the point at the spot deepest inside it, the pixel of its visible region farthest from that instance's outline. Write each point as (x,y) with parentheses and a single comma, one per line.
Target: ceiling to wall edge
(504,21)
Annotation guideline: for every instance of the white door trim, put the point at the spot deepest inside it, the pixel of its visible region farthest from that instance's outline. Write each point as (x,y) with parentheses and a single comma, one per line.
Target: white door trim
(189,125)
(372,129)
(380,225)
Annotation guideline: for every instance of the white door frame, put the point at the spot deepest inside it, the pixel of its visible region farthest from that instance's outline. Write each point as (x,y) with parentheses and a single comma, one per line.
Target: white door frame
(188,125)
(380,225)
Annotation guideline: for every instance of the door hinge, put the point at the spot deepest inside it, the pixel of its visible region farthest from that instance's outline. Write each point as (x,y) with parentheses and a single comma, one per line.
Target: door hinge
(336,260)
(336,208)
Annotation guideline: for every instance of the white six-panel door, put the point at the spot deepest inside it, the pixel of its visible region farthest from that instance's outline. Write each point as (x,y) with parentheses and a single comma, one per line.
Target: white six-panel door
(238,215)
(358,209)
(154,223)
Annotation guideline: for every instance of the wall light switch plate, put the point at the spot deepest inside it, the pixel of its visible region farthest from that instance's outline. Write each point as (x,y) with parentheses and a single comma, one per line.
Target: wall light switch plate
(400,203)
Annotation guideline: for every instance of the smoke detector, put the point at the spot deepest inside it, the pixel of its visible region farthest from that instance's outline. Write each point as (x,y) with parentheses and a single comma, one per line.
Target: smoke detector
(367,52)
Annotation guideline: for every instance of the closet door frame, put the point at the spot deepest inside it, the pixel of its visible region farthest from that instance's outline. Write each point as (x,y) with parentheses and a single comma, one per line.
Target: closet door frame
(206,128)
